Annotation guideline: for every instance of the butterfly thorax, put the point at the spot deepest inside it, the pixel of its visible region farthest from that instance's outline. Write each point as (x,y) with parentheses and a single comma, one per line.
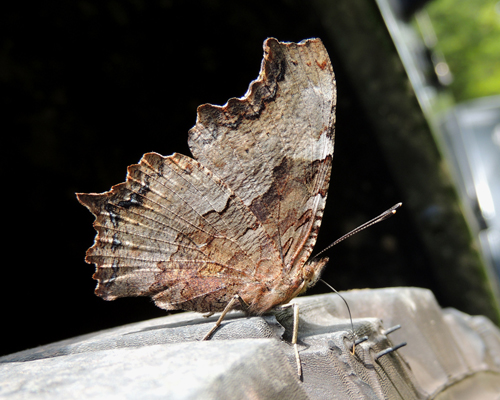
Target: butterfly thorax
(264,296)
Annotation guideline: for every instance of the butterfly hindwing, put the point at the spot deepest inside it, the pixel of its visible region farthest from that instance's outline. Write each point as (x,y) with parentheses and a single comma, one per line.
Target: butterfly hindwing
(174,222)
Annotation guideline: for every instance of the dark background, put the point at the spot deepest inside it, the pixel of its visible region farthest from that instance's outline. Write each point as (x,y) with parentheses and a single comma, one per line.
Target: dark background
(87,87)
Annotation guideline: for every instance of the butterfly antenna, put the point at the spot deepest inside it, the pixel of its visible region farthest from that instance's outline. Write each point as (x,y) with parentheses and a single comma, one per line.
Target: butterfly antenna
(348,310)
(382,217)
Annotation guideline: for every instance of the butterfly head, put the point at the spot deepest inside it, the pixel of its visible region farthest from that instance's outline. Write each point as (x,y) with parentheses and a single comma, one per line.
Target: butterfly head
(312,272)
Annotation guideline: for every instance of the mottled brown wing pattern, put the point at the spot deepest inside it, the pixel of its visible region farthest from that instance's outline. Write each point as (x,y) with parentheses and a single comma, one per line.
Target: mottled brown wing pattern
(243,216)
(274,146)
(173,226)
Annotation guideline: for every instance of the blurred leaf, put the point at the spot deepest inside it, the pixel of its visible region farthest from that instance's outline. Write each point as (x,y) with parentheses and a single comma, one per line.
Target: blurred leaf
(468,34)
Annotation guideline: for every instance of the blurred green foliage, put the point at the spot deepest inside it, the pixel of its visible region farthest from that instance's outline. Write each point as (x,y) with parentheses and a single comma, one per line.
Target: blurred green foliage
(468,33)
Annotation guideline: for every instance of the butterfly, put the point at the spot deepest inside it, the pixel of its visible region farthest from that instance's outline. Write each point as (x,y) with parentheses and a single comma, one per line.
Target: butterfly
(242,216)
(234,226)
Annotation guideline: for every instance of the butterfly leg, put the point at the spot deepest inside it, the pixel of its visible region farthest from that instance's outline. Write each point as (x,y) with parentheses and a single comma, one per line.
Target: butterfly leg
(228,308)
(295,333)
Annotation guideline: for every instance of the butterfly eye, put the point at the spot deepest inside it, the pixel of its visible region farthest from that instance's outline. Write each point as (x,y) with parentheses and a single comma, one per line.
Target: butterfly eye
(308,273)
(313,270)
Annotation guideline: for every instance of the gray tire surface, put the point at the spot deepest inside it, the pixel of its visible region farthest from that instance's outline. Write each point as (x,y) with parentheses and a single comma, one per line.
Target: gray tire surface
(449,355)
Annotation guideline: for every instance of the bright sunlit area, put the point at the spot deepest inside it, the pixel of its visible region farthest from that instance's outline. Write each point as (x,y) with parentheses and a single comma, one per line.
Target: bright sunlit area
(463,43)
(468,36)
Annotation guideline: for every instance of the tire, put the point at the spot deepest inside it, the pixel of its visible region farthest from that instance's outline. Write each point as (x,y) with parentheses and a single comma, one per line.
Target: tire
(449,355)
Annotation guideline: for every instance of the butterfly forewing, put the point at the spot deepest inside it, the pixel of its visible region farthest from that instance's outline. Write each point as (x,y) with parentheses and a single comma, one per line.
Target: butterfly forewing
(274,146)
